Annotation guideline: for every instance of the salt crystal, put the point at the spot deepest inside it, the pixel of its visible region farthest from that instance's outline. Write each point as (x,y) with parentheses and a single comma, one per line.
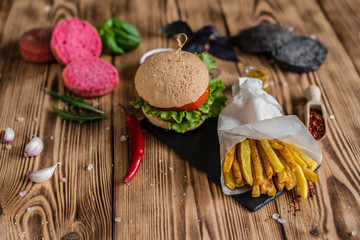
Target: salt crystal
(47,8)
(63,180)
(117,219)
(29,209)
(95,103)
(51,137)
(90,167)
(21,235)
(107,128)
(46,222)
(291,28)
(8,146)
(160,161)
(63,104)
(353,233)
(122,138)
(35,119)
(332,117)
(23,193)
(313,36)
(184,194)
(284,84)
(20,119)
(276,216)
(280,220)
(272,83)
(170,168)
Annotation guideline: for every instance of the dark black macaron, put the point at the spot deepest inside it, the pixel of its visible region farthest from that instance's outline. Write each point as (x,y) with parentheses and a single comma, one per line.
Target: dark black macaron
(263,38)
(300,54)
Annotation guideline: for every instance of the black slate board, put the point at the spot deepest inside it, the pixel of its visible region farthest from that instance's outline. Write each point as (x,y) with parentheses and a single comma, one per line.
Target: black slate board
(205,137)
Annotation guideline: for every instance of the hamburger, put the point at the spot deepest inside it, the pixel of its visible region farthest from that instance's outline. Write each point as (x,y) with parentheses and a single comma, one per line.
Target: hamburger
(178,94)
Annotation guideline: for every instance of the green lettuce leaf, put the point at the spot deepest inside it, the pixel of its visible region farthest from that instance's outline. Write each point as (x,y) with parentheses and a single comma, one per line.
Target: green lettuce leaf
(181,121)
(209,62)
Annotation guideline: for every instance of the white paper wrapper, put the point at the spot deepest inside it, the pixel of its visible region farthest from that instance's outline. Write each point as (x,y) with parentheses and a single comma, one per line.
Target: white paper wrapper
(253,113)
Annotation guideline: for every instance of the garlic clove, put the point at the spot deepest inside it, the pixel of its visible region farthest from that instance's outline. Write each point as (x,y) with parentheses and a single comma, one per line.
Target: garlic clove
(43,174)
(9,135)
(34,147)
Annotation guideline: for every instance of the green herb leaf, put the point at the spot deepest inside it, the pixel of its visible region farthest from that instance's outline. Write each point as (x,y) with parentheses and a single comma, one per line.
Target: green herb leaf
(81,118)
(209,62)
(74,102)
(118,36)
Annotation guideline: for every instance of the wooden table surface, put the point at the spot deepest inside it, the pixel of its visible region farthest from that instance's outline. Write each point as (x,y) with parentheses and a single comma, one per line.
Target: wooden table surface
(168,198)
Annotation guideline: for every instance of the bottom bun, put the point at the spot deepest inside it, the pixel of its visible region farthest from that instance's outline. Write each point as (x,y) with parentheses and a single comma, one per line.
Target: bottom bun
(160,123)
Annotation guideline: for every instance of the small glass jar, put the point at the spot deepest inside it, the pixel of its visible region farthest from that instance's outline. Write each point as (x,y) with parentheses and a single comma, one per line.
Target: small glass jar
(261,73)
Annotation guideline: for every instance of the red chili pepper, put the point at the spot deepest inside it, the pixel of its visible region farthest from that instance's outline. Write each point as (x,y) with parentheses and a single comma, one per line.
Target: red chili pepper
(136,146)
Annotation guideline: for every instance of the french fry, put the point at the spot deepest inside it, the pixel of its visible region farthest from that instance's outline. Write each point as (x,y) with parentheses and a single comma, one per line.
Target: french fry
(228,160)
(243,153)
(275,145)
(229,180)
(296,157)
(265,161)
(293,178)
(310,175)
(274,160)
(265,186)
(236,171)
(256,188)
(282,176)
(271,190)
(289,182)
(280,186)
(258,169)
(285,153)
(301,182)
(311,163)
(240,184)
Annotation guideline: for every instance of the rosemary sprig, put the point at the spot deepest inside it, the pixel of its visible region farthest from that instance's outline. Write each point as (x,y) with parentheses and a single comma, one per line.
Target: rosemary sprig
(75,102)
(81,118)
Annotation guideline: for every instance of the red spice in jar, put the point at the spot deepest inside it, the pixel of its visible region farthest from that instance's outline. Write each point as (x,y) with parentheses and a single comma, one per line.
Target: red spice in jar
(316,124)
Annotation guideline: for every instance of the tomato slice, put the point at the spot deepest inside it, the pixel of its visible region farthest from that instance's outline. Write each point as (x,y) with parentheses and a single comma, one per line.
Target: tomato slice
(191,106)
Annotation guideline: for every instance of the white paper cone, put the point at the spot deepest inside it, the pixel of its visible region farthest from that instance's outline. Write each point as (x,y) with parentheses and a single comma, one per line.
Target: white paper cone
(253,113)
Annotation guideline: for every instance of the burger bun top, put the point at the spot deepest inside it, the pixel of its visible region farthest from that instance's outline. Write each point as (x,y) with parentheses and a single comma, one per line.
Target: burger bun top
(165,82)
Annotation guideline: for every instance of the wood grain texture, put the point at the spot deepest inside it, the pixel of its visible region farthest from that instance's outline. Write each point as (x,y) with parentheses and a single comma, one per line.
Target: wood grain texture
(82,205)
(168,198)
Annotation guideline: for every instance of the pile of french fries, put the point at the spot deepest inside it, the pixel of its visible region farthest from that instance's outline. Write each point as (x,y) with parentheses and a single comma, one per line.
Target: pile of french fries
(264,164)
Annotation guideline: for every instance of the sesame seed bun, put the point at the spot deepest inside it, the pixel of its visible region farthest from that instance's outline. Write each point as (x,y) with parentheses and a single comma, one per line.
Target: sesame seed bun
(166,82)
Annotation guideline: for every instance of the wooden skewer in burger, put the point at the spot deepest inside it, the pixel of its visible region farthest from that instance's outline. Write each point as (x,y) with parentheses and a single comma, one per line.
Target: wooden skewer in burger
(175,90)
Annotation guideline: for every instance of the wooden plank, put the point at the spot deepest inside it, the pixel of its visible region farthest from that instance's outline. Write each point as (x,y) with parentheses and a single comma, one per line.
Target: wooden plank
(336,80)
(346,27)
(144,205)
(81,207)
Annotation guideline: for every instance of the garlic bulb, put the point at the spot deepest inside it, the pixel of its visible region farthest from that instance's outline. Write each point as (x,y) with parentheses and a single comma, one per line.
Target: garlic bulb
(43,174)
(34,147)
(9,135)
